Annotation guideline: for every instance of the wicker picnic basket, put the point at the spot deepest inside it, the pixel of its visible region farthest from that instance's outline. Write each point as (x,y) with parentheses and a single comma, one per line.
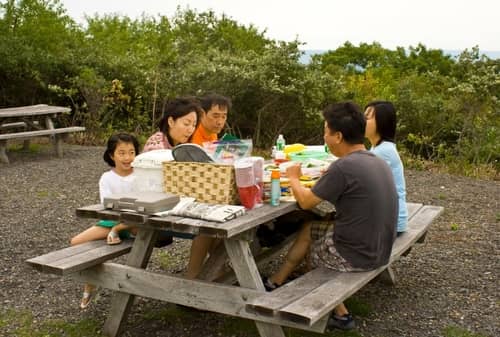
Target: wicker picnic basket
(207,182)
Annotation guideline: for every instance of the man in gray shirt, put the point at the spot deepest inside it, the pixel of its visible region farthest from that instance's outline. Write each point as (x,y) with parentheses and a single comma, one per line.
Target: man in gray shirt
(361,187)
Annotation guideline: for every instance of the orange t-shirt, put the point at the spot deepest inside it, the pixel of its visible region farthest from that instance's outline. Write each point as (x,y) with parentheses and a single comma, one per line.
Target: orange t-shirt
(200,136)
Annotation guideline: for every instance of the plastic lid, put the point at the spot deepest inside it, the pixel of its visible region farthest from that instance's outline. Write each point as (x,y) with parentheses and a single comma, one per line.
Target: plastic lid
(152,159)
(275,174)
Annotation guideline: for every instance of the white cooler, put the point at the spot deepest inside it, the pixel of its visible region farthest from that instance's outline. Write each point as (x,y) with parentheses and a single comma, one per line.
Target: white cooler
(148,170)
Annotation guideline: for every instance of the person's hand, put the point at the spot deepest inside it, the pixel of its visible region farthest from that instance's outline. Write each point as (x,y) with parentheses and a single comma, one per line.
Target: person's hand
(294,171)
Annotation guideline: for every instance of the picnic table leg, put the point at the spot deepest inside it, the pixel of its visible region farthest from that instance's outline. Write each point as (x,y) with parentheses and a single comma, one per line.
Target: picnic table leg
(58,145)
(26,145)
(248,276)
(3,152)
(387,276)
(122,302)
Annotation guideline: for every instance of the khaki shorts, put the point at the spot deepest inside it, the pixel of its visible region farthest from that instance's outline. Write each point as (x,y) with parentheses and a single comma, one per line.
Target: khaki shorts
(323,251)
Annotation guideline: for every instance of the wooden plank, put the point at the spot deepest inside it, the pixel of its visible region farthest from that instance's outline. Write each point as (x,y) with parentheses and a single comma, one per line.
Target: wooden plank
(13,125)
(91,258)
(271,303)
(321,300)
(32,110)
(89,212)
(225,229)
(425,216)
(72,259)
(61,253)
(257,217)
(412,209)
(215,297)
(37,133)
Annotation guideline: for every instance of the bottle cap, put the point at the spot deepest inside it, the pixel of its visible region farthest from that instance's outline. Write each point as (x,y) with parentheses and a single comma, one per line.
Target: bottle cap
(275,174)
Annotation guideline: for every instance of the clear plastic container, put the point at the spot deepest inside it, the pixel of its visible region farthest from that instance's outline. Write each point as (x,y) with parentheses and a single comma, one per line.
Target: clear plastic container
(148,170)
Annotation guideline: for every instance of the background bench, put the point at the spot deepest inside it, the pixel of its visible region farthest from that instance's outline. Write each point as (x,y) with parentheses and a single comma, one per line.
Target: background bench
(310,298)
(25,123)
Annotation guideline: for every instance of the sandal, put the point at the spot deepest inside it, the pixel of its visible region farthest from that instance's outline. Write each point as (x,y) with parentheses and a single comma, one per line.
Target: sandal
(113,238)
(86,299)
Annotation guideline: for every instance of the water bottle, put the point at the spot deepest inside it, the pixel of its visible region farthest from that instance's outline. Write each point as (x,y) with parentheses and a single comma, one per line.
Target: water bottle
(275,187)
(280,143)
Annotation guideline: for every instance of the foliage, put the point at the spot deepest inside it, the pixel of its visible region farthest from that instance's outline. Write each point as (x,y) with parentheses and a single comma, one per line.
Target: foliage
(118,74)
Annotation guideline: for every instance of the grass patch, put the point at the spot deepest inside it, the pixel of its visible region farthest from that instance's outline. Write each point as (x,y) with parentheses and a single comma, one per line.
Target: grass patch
(232,326)
(168,314)
(42,194)
(455,331)
(20,324)
(357,307)
(166,260)
(33,148)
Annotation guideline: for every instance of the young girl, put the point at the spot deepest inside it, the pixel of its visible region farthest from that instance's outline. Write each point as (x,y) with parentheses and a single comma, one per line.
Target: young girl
(119,154)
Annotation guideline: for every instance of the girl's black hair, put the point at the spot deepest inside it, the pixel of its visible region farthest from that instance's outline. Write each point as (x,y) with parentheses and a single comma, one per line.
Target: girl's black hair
(179,107)
(385,118)
(113,141)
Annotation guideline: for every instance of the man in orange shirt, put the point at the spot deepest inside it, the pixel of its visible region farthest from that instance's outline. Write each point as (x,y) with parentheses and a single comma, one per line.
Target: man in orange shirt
(212,121)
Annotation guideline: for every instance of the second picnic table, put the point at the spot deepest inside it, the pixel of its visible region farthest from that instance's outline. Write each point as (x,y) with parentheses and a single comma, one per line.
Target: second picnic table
(27,122)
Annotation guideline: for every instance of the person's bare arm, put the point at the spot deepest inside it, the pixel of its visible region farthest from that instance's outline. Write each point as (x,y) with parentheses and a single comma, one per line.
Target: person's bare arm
(304,196)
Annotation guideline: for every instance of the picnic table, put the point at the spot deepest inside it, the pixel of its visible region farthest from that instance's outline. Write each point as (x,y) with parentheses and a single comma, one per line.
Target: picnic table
(304,303)
(27,122)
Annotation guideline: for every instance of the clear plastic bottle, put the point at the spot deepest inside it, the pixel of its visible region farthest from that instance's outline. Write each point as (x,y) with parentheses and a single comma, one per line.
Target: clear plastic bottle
(280,143)
(275,187)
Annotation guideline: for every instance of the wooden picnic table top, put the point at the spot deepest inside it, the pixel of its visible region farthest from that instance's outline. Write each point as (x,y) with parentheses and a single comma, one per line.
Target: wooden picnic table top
(228,229)
(32,110)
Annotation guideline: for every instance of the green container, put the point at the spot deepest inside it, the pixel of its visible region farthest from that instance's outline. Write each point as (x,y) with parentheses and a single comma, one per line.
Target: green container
(307,154)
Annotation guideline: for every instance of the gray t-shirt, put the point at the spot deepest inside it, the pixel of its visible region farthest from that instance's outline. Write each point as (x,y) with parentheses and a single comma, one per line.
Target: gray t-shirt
(361,187)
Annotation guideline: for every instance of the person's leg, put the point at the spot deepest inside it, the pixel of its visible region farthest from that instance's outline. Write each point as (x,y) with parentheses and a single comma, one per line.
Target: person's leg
(199,250)
(295,255)
(340,310)
(115,235)
(90,234)
(324,254)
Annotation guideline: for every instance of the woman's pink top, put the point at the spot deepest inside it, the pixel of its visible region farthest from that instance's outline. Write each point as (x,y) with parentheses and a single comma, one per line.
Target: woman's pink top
(158,141)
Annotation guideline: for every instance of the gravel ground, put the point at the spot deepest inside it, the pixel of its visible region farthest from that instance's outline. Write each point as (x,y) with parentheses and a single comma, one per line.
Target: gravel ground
(450,280)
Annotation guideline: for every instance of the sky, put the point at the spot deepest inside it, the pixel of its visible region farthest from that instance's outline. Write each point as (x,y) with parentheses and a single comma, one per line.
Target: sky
(327,24)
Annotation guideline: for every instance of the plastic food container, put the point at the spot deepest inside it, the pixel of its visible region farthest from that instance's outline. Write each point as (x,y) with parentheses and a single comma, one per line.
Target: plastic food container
(307,154)
(148,170)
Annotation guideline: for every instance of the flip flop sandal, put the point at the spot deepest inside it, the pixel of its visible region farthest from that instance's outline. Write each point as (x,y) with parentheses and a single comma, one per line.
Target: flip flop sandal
(86,299)
(113,238)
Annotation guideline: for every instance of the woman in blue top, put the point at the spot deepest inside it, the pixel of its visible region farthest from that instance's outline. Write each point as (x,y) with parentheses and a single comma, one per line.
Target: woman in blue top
(381,131)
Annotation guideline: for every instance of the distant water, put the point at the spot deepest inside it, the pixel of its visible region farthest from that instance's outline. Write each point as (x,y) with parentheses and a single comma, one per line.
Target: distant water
(306,58)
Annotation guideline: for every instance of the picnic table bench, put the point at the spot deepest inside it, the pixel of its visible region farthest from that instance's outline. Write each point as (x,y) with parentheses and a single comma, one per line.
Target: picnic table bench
(304,303)
(27,122)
